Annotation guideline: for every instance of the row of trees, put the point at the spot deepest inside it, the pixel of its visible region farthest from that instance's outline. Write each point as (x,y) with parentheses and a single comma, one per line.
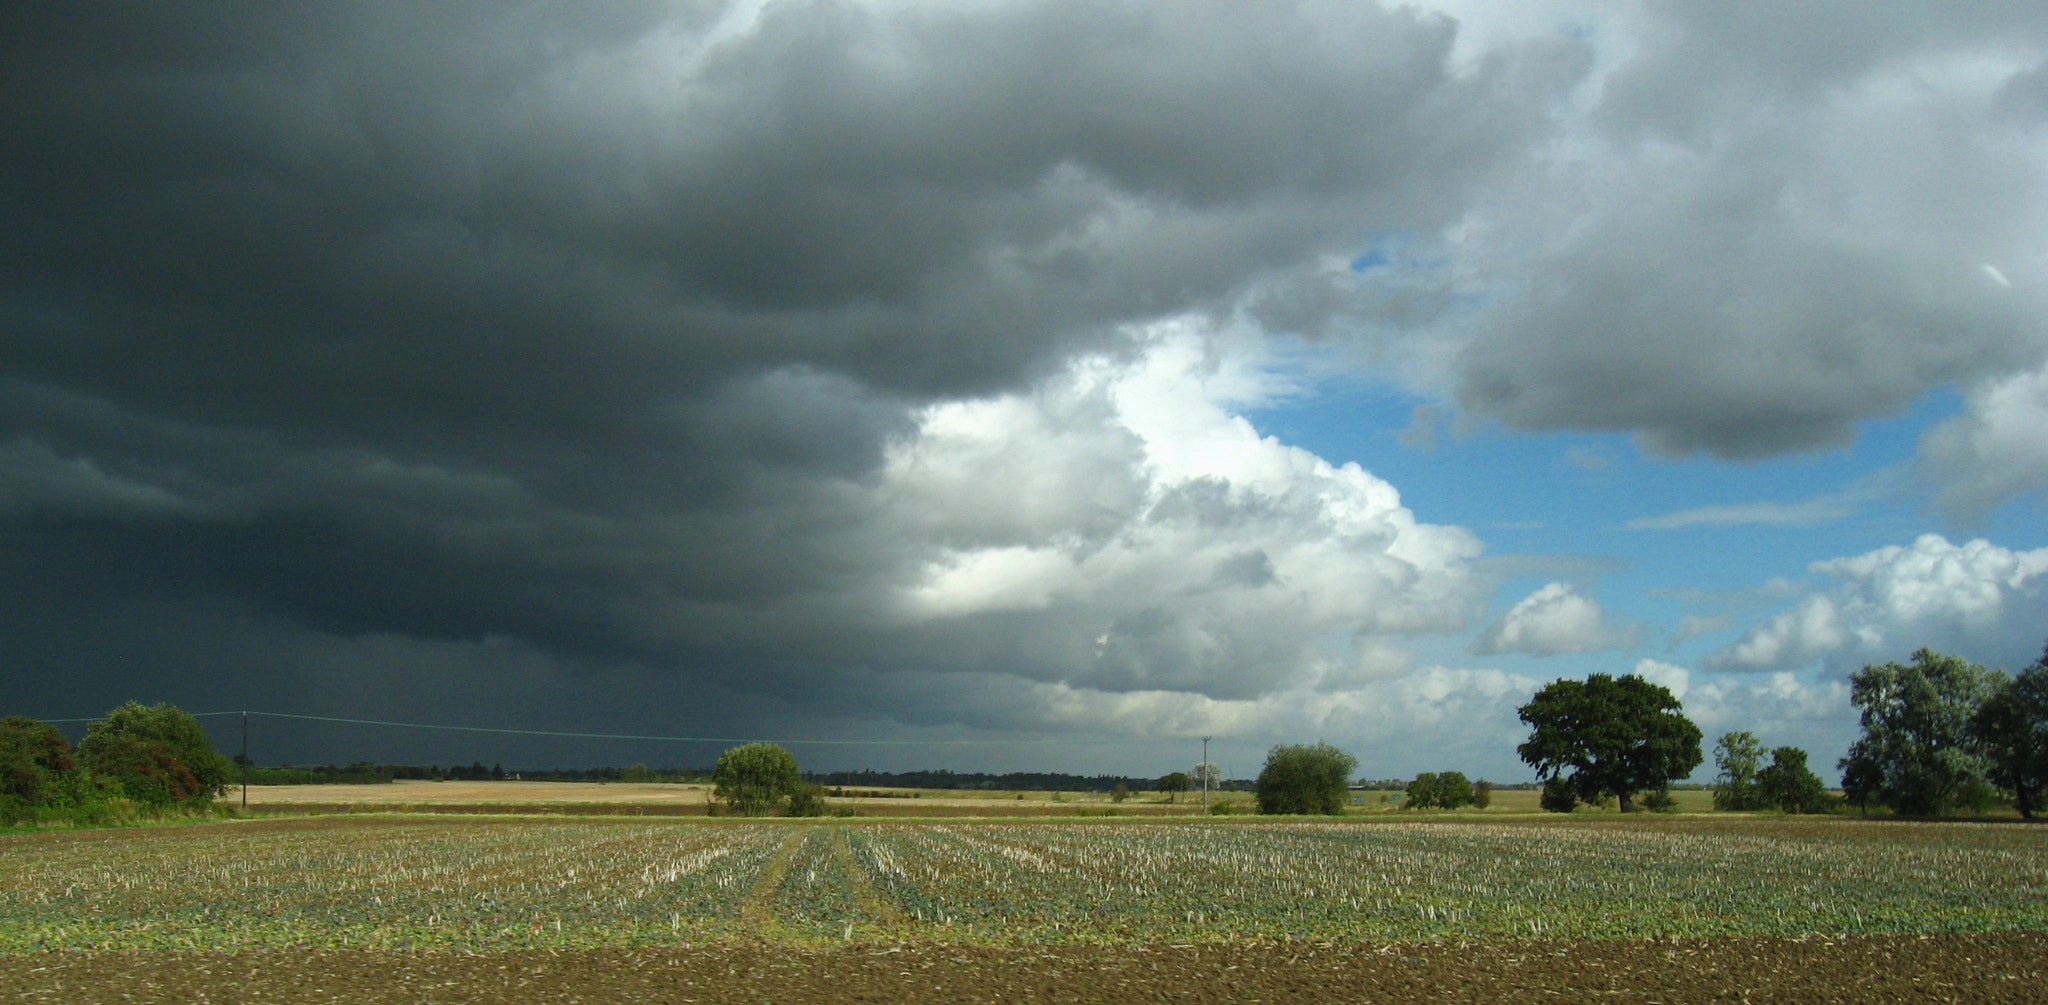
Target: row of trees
(1744,782)
(1941,734)
(153,756)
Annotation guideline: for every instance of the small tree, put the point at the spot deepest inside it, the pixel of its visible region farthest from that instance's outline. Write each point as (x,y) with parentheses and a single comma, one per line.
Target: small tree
(2011,732)
(34,758)
(1917,751)
(1482,794)
(1788,785)
(1119,792)
(1303,779)
(1615,736)
(1558,795)
(1738,757)
(1446,791)
(753,779)
(159,754)
(808,800)
(1421,793)
(1173,783)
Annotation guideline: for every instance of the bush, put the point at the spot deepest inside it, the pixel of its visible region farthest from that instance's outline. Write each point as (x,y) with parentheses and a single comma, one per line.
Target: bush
(158,753)
(1482,794)
(1789,786)
(1737,756)
(808,801)
(1559,795)
(754,779)
(1302,779)
(34,759)
(1660,801)
(1446,791)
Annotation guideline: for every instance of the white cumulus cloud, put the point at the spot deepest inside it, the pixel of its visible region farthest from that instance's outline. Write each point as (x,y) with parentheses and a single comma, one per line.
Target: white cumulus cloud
(1996,450)
(1977,598)
(1554,620)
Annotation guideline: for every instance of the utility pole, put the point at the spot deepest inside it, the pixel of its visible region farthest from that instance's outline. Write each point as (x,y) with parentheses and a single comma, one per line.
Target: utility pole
(1206,771)
(245,761)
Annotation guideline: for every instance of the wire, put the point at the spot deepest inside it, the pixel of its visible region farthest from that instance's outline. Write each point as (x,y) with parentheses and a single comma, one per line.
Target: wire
(602,736)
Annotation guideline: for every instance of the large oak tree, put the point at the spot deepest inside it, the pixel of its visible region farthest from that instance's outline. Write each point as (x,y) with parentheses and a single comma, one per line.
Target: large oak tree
(1609,736)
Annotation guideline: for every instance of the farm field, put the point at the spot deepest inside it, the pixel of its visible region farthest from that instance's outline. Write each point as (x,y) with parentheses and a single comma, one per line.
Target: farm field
(673,799)
(284,895)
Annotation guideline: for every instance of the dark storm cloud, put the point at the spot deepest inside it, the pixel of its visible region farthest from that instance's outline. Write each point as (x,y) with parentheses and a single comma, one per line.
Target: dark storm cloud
(586,327)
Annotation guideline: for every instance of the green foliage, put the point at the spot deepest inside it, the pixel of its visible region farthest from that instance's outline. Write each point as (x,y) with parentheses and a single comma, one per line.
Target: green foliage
(1788,785)
(1916,754)
(1119,793)
(34,762)
(1737,757)
(1615,736)
(755,779)
(1173,783)
(1446,791)
(1559,795)
(1482,794)
(1304,779)
(2011,731)
(159,754)
(809,801)
(1660,801)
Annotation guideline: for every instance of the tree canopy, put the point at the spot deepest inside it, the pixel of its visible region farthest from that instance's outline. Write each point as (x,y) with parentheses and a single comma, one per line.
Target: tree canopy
(1442,791)
(1304,779)
(160,754)
(34,757)
(2011,732)
(1174,783)
(1916,754)
(755,779)
(1737,759)
(1787,784)
(1609,736)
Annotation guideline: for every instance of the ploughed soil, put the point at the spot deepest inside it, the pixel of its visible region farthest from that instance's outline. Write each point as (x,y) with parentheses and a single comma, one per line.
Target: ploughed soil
(1948,968)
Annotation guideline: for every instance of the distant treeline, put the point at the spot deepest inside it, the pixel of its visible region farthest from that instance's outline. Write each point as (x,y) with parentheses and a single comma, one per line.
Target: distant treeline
(1015,781)
(366,773)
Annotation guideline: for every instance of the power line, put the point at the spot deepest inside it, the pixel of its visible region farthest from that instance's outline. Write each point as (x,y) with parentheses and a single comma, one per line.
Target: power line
(606,736)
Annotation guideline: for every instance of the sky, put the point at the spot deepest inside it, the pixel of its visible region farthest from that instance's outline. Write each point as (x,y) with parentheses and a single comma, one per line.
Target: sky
(1008,386)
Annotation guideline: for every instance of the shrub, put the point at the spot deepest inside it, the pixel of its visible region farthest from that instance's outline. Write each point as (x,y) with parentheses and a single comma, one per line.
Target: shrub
(808,801)
(1660,801)
(1559,796)
(755,778)
(158,754)
(1737,756)
(34,760)
(1304,779)
(1482,794)
(1446,791)
(1788,785)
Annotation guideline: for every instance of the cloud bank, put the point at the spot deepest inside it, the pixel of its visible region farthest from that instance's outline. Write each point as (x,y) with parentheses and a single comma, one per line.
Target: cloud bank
(886,367)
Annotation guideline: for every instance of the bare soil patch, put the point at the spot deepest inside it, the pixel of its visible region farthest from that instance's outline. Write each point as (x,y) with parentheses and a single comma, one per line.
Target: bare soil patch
(1984,969)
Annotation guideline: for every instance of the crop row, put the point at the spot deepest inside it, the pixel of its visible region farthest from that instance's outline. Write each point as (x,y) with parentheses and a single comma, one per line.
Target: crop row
(578,883)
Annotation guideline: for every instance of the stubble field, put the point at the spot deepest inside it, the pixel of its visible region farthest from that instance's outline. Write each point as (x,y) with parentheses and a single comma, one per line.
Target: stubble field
(735,909)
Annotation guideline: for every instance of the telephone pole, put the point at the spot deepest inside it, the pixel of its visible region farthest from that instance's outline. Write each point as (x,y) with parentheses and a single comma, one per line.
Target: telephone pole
(245,762)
